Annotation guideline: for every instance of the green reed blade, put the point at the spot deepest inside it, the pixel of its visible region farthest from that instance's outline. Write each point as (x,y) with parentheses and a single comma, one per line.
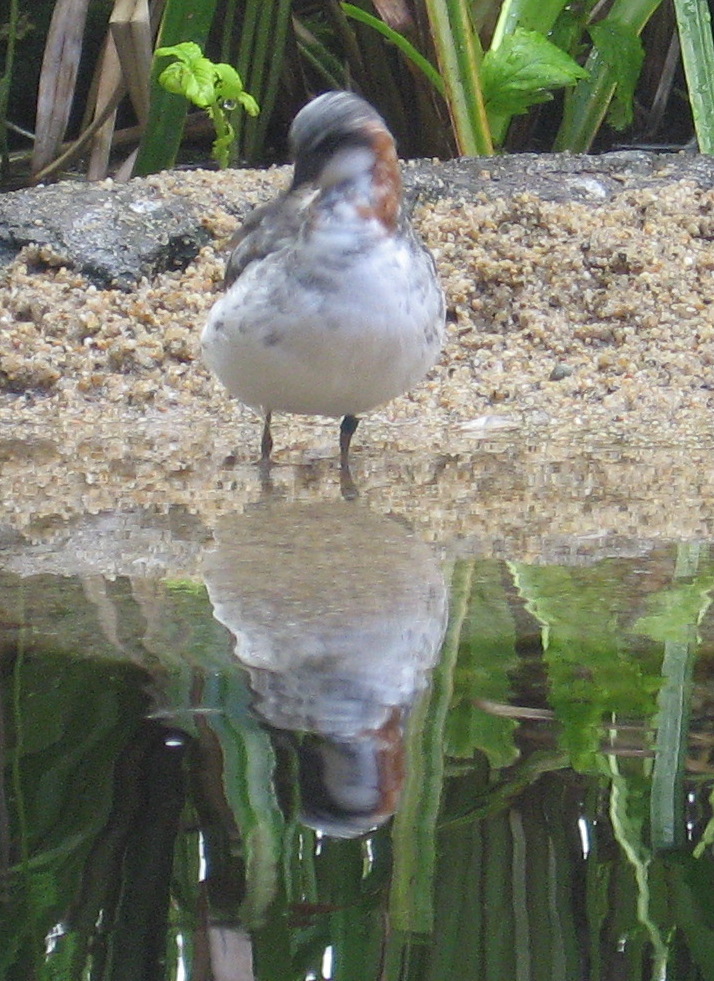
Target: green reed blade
(532,15)
(459,54)
(263,75)
(587,105)
(6,80)
(695,36)
(399,41)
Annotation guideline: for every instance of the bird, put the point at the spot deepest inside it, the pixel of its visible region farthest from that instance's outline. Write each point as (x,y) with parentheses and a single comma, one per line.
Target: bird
(332,305)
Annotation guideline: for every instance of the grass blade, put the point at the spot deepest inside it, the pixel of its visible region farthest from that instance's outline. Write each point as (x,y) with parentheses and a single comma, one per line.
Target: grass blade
(532,15)
(695,35)
(459,54)
(587,105)
(260,68)
(399,41)
(6,80)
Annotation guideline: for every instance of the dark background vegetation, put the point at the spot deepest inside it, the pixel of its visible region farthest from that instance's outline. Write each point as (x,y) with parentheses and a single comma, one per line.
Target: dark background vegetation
(286,52)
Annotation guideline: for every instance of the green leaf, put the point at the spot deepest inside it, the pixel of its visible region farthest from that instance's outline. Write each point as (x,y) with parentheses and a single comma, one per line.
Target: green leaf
(695,35)
(203,90)
(522,71)
(228,81)
(674,612)
(249,104)
(229,87)
(172,78)
(621,50)
(195,81)
(187,52)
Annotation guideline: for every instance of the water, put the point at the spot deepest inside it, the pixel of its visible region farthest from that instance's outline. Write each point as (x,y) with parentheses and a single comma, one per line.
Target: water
(305,743)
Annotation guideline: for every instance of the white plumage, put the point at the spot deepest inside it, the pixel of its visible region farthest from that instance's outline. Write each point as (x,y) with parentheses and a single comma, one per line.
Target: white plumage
(333,306)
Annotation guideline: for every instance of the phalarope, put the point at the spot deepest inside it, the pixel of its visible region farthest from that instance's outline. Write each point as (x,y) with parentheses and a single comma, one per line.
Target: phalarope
(332,304)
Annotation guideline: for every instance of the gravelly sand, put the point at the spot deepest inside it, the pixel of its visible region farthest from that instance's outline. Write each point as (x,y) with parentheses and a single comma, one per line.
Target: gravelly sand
(572,326)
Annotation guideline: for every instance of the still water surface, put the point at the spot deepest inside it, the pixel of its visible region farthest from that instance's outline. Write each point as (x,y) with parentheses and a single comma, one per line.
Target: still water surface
(340,753)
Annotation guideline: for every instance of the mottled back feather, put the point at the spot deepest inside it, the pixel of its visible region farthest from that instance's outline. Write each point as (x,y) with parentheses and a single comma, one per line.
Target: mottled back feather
(266,229)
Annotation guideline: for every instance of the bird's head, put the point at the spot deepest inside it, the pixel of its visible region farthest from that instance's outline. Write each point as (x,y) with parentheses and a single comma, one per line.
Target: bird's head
(338,138)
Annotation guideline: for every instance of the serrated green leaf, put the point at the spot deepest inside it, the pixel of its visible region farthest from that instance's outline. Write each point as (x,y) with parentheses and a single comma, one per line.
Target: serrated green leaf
(186,52)
(249,104)
(195,81)
(523,70)
(172,78)
(203,89)
(230,89)
(621,49)
(228,80)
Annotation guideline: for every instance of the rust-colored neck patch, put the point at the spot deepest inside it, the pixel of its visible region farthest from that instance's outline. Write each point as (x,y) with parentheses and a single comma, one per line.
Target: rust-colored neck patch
(386,176)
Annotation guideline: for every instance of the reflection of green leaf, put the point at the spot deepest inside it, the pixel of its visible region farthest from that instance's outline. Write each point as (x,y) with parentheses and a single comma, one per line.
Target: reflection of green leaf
(522,70)
(486,655)
(591,671)
(621,50)
(628,811)
(674,611)
(707,838)
(192,587)
(414,827)
(690,896)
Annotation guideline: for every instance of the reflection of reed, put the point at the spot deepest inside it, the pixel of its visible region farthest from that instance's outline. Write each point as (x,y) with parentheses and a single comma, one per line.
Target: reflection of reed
(618,738)
(4,816)
(700,758)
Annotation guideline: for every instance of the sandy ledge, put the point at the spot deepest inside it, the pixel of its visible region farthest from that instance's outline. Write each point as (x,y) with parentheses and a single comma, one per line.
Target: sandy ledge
(573,401)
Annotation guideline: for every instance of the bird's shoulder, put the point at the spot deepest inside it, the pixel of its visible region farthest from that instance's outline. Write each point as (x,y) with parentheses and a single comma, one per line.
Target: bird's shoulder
(267,229)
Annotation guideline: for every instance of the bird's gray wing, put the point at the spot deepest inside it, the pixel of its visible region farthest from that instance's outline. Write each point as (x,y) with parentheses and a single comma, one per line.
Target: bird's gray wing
(265,230)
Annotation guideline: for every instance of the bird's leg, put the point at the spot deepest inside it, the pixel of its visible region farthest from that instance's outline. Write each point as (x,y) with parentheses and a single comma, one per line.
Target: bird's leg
(266,443)
(265,463)
(347,428)
(347,485)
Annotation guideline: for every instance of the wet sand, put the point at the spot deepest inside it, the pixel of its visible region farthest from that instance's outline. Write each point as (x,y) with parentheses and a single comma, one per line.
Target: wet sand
(572,404)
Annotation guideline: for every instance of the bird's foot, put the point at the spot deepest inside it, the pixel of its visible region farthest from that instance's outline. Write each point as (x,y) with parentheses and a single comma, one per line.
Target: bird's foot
(348,488)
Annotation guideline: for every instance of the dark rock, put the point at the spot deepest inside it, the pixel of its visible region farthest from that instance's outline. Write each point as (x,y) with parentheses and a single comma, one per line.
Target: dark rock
(114,234)
(555,176)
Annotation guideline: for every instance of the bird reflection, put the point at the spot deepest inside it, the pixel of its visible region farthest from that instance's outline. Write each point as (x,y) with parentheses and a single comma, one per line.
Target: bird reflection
(338,615)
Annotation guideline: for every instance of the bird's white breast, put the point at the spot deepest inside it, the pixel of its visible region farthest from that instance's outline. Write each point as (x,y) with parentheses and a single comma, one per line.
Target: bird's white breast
(342,321)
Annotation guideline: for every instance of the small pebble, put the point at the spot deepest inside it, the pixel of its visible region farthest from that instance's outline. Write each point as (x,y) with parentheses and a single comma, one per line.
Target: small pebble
(560,371)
